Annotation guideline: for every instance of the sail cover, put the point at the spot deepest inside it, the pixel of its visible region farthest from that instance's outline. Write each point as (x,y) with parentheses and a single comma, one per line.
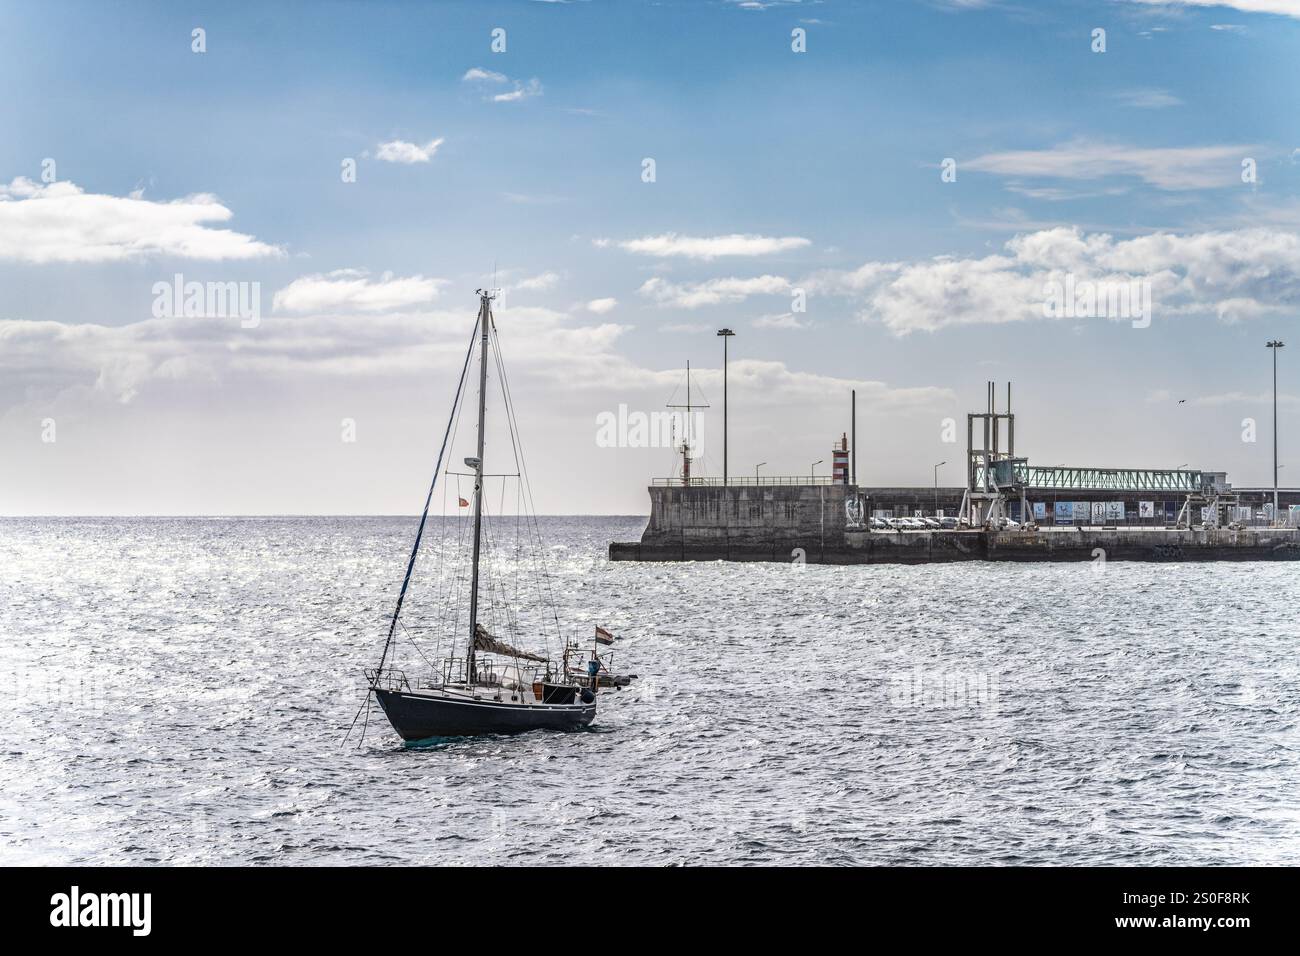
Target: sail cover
(483,641)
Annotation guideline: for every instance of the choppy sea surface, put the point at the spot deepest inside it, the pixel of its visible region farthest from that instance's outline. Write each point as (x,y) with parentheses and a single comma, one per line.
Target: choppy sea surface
(178,691)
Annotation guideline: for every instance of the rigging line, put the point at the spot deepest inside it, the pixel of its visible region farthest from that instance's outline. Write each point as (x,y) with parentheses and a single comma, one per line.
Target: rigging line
(522,468)
(410,565)
(364,703)
(365,725)
(421,653)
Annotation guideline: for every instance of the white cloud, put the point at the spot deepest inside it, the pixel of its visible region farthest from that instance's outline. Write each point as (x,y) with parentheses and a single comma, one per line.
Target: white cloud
(400,151)
(1230,275)
(522,91)
(276,395)
(1062,193)
(350,290)
(1289,8)
(1148,99)
(782,320)
(41,360)
(1190,167)
(531,199)
(539,283)
(709,247)
(602,306)
(61,222)
(487,78)
(478,74)
(711,291)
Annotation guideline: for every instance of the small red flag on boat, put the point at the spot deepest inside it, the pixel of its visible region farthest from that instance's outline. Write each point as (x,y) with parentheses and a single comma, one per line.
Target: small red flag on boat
(603,635)
(463,502)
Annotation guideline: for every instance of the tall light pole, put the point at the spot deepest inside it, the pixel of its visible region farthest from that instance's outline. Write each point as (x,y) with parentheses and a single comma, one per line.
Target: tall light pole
(812,469)
(756,467)
(936,485)
(1274,345)
(726,334)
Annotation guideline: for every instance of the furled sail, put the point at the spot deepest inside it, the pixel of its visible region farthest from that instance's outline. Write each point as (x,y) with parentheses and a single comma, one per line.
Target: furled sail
(483,641)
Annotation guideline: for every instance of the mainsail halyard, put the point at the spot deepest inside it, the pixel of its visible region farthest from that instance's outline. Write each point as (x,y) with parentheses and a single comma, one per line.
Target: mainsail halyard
(484,699)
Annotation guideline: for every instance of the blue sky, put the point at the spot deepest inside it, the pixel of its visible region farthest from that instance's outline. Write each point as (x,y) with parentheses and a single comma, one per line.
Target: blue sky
(826,163)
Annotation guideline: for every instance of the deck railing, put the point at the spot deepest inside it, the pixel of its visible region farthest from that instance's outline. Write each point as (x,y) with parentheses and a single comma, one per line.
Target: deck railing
(743,481)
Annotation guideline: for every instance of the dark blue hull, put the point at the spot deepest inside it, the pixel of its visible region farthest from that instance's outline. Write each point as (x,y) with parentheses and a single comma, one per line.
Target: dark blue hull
(420,716)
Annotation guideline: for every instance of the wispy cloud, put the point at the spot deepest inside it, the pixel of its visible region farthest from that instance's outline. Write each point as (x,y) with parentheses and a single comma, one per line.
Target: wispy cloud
(61,222)
(538,283)
(479,75)
(1148,99)
(1172,168)
(602,306)
(709,247)
(400,151)
(1288,8)
(352,290)
(522,90)
(782,320)
(711,291)
(1063,193)
(531,199)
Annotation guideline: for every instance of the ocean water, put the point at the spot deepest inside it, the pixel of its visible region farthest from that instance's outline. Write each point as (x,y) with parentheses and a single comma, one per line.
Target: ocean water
(180,689)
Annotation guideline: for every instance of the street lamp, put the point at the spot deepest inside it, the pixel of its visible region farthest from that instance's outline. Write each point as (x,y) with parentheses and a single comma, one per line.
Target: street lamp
(936,485)
(1275,345)
(756,467)
(726,334)
(813,469)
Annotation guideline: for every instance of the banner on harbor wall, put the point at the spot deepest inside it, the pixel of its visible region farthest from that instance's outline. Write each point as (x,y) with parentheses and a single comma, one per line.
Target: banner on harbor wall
(1114,511)
(1040,510)
(1082,511)
(1063,512)
(1099,512)
(1146,509)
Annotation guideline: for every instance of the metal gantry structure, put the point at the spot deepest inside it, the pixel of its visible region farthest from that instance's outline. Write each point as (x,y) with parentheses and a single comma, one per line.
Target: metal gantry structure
(1018,471)
(985,499)
(994,474)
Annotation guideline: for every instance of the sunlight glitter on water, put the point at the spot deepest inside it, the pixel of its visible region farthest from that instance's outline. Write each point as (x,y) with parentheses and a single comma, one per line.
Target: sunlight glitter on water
(182,687)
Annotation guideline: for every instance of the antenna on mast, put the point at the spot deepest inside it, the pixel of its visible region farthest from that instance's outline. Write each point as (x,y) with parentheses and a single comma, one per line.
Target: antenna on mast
(685,447)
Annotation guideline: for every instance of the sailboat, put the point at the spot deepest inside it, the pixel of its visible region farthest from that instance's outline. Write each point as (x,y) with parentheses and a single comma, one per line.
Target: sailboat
(496,687)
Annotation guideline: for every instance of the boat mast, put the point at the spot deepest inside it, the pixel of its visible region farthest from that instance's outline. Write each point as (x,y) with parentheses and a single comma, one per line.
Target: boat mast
(484,321)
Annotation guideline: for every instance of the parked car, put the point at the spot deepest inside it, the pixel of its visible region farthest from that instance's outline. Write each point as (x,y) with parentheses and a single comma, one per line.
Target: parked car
(948,521)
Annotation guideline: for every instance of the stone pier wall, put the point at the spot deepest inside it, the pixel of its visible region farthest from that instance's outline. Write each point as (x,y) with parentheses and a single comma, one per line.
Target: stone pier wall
(744,523)
(807,522)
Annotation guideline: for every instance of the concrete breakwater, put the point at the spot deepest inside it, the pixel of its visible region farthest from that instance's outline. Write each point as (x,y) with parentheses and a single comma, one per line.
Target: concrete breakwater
(808,523)
(925,547)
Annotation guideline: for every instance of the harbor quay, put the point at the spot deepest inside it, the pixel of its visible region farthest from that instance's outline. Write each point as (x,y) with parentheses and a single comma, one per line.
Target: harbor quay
(814,523)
